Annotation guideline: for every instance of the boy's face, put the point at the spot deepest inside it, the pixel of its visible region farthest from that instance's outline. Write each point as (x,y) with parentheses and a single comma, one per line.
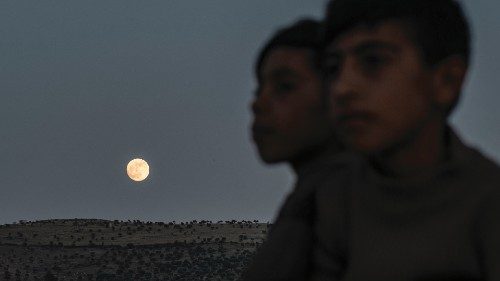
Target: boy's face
(381,92)
(289,117)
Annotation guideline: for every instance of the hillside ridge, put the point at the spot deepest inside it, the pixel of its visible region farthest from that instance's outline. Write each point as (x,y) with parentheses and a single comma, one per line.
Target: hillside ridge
(97,249)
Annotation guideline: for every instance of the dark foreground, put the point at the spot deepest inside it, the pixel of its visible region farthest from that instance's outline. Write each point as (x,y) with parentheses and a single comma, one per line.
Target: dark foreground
(115,250)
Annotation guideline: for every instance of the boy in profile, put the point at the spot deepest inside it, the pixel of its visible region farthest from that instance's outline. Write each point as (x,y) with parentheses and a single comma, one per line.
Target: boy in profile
(425,206)
(290,125)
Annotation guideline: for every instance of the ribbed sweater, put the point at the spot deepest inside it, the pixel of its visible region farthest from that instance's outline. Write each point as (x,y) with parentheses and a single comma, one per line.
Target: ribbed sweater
(345,221)
(442,227)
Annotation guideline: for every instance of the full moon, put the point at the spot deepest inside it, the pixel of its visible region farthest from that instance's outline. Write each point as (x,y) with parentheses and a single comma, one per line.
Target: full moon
(138,169)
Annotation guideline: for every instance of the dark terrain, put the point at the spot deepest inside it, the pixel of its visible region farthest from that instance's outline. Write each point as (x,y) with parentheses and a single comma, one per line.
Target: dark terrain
(83,249)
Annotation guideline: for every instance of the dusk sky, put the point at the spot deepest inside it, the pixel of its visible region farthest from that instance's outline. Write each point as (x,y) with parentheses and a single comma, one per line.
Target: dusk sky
(88,85)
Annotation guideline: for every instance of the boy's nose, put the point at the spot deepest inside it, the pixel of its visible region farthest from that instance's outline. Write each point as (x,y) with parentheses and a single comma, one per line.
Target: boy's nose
(345,86)
(260,104)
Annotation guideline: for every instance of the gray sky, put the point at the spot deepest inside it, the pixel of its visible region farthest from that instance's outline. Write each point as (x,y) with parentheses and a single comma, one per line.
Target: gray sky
(88,85)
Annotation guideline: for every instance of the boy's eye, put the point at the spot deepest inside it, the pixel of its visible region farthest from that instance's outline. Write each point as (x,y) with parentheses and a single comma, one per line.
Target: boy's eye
(331,67)
(284,87)
(372,62)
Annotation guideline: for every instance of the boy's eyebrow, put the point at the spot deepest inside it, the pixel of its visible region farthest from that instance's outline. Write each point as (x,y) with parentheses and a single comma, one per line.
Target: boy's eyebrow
(366,46)
(276,74)
(282,72)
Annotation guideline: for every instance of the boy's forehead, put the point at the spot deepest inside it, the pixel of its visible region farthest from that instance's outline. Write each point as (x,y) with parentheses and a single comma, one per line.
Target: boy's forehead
(283,61)
(386,33)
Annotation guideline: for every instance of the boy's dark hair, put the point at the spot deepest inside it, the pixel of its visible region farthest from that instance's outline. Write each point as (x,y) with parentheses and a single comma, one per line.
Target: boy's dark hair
(305,33)
(439,27)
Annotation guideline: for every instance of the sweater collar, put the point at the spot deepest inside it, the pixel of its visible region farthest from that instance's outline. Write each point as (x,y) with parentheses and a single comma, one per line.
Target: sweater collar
(457,154)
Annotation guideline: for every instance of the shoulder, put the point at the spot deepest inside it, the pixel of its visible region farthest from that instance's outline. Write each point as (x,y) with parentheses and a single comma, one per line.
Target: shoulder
(472,166)
(329,175)
(487,177)
(482,170)
(483,174)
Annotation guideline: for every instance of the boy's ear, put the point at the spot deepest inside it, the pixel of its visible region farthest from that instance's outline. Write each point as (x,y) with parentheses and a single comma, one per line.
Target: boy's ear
(449,77)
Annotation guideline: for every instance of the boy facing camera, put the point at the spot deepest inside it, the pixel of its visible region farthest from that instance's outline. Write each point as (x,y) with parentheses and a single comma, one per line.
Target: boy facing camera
(425,206)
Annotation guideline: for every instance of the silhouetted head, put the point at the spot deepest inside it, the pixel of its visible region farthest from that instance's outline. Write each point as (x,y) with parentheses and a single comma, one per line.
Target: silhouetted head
(289,115)
(394,69)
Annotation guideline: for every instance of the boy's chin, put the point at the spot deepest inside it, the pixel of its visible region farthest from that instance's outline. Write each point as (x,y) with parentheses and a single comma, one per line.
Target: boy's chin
(272,157)
(271,160)
(364,146)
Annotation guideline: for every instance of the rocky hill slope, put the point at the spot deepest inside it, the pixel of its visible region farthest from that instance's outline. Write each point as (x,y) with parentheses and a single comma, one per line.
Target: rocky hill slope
(91,249)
